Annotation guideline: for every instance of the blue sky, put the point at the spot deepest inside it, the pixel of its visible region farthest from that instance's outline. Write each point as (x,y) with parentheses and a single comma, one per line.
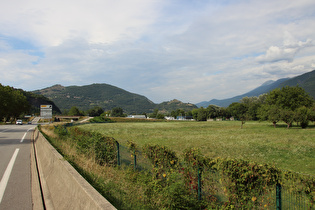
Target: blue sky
(192,51)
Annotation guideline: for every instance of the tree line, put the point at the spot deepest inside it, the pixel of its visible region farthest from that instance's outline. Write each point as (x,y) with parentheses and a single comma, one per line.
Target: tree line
(288,104)
(13,103)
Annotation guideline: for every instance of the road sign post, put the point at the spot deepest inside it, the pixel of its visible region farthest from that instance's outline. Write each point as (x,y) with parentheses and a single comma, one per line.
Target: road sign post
(46,111)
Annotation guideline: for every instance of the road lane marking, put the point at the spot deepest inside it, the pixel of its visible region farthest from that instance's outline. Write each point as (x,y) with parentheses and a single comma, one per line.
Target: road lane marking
(23,137)
(7,173)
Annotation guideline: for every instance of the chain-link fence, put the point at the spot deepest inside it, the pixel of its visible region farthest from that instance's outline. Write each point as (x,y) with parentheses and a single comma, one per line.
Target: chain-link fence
(204,182)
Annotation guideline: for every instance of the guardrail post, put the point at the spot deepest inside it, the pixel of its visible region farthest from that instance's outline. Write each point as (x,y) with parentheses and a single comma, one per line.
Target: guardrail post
(278,197)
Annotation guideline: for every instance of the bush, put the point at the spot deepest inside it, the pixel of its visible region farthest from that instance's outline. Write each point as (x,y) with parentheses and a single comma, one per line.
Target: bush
(93,144)
(61,130)
(101,119)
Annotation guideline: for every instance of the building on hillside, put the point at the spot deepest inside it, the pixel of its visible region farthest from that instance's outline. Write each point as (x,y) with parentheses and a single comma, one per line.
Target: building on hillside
(169,118)
(137,116)
(185,118)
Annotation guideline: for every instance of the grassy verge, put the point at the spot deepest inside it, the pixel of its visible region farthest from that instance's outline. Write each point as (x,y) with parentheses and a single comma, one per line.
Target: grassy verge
(121,186)
(167,188)
(289,149)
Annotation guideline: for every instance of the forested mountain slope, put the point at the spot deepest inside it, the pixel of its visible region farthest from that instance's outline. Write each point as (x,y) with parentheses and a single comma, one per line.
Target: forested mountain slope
(107,97)
(306,81)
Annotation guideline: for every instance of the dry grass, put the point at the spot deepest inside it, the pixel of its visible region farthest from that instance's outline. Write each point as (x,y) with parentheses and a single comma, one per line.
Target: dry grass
(109,181)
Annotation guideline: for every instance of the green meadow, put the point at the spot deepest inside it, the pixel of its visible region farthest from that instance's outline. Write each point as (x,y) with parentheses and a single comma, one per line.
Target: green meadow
(289,149)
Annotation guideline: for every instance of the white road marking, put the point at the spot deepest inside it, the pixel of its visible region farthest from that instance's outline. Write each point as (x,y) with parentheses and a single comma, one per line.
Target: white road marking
(7,173)
(4,131)
(23,137)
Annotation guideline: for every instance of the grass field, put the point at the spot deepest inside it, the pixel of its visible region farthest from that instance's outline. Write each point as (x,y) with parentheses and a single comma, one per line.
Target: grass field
(289,149)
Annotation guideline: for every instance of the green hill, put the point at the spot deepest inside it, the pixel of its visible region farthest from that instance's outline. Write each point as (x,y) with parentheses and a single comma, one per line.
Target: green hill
(174,105)
(36,100)
(105,96)
(306,81)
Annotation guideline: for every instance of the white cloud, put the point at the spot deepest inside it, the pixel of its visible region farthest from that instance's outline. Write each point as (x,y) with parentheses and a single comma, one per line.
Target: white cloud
(52,22)
(189,50)
(286,52)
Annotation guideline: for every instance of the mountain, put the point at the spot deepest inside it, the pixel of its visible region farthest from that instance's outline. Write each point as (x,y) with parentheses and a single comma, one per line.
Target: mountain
(306,81)
(105,96)
(36,100)
(174,105)
(102,95)
(264,88)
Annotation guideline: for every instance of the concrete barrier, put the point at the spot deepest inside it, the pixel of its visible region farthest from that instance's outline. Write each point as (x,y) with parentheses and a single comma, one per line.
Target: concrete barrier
(61,185)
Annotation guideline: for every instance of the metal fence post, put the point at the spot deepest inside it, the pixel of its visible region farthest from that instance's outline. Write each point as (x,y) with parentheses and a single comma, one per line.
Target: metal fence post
(118,154)
(278,197)
(135,160)
(199,184)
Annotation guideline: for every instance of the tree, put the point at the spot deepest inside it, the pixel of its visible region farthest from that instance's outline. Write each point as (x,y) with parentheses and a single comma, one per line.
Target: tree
(270,113)
(178,112)
(239,111)
(213,111)
(74,111)
(154,114)
(194,113)
(253,104)
(117,112)
(202,114)
(302,116)
(312,113)
(199,114)
(12,103)
(96,111)
(289,98)
(280,104)
(160,116)
(287,115)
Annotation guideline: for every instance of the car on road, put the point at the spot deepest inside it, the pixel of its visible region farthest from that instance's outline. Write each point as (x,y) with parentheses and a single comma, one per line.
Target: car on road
(19,122)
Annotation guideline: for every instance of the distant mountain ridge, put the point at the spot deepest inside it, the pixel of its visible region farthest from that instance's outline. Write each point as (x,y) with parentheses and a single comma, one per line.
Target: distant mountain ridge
(105,96)
(174,105)
(108,96)
(306,81)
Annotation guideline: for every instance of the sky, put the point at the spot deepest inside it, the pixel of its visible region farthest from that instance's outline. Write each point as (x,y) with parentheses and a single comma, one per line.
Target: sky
(190,50)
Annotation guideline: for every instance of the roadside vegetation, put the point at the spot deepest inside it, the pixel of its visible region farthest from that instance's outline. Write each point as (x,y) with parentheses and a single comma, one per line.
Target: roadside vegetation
(13,104)
(292,149)
(229,158)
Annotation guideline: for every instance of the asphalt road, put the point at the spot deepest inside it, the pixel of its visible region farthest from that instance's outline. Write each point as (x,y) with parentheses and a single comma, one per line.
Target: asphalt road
(15,170)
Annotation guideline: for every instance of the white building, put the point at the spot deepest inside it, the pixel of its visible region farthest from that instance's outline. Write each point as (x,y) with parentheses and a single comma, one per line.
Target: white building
(137,116)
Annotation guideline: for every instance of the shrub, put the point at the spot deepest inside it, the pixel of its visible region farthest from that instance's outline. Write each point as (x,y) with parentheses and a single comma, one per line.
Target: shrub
(101,119)
(61,130)
(103,149)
